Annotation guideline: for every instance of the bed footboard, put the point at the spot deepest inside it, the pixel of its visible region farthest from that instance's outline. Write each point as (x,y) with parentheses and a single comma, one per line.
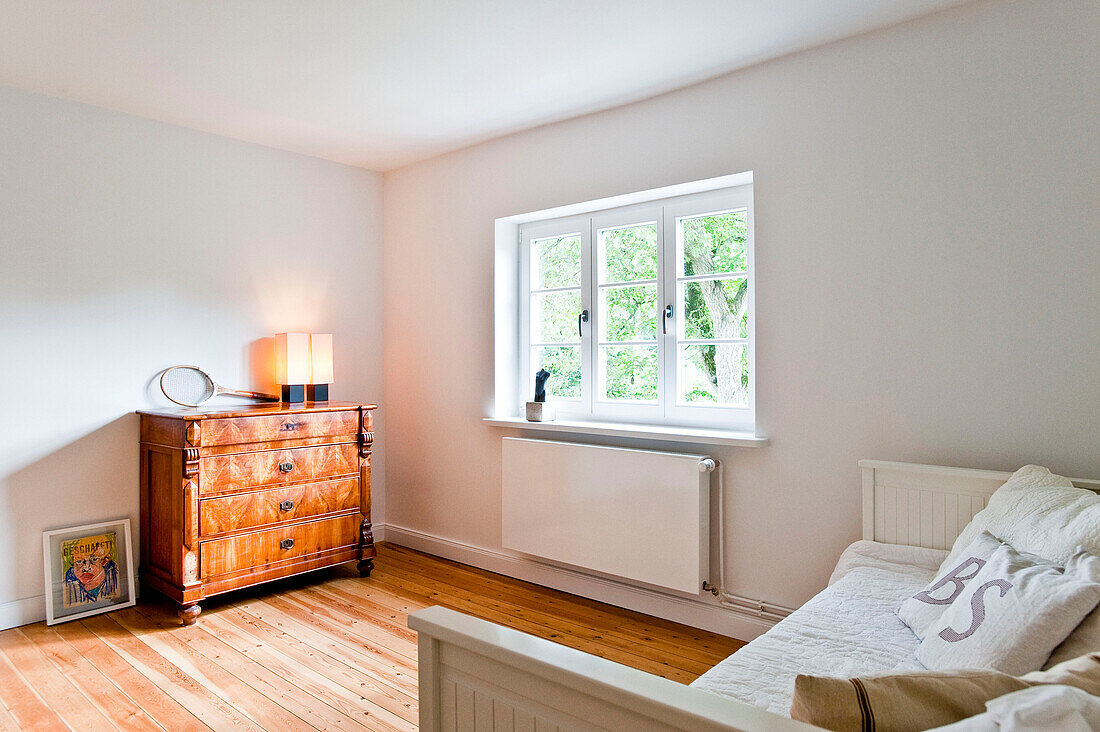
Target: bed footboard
(476,675)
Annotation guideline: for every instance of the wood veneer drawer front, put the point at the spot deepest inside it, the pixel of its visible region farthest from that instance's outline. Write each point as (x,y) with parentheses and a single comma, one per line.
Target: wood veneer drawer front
(250,510)
(239,430)
(241,471)
(246,551)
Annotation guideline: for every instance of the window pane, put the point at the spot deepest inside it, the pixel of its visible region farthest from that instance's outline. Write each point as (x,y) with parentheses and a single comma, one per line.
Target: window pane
(714,308)
(628,373)
(714,243)
(716,374)
(564,365)
(556,262)
(628,313)
(628,254)
(554,316)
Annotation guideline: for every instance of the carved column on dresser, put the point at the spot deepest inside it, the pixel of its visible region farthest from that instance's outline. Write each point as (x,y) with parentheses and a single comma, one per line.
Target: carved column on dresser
(189,611)
(367,552)
(238,495)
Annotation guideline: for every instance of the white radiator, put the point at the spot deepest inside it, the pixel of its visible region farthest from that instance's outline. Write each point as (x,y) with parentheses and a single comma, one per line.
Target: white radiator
(633,514)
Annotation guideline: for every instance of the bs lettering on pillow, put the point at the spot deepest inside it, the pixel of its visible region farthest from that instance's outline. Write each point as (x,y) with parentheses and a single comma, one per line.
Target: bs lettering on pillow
(923,609)
(1011,614)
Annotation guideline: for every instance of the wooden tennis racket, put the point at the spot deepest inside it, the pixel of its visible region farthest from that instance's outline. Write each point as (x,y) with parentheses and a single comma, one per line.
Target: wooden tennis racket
(190,386)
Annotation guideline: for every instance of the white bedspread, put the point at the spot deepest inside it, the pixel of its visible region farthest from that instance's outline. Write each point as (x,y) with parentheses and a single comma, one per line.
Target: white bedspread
(849,629)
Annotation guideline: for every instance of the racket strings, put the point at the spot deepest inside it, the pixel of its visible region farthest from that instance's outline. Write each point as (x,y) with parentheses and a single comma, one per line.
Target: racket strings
(187,385)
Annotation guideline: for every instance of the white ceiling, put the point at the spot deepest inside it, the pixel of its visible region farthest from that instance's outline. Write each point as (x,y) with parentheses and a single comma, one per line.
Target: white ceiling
(382,83)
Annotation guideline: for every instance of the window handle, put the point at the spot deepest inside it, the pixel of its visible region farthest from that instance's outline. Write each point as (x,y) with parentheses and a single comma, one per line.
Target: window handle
(664,320)
(582,318)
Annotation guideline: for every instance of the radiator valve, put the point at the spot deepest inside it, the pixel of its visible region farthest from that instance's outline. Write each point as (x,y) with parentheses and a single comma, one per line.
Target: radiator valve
(708,587)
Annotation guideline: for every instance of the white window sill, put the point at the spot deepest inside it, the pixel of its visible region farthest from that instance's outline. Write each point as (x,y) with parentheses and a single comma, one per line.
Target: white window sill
(666,433)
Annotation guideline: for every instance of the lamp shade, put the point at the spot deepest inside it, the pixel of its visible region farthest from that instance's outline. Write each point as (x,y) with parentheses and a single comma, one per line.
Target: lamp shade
(292,358)
(320,355)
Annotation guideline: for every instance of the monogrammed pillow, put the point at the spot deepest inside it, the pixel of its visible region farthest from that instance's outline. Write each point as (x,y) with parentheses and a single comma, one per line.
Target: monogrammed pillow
(926,607)
(1012,614)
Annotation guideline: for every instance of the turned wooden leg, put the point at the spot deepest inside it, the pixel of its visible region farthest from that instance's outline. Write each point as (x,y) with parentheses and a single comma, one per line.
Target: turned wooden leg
(189,614)
(367,552)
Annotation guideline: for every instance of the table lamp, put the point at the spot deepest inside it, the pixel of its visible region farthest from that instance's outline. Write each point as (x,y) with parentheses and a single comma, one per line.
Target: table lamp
(320,362)
(292,365)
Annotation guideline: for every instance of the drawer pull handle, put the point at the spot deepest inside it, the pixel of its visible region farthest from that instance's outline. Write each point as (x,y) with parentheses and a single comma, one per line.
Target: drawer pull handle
(291,426)
(286,505)
(286,467)
(286,543)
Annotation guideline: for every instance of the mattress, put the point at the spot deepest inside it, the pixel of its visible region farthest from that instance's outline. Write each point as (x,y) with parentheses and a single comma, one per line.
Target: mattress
(848,629)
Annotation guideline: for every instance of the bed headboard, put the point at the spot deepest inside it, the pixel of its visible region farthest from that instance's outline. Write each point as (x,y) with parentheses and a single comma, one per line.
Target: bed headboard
(926,505)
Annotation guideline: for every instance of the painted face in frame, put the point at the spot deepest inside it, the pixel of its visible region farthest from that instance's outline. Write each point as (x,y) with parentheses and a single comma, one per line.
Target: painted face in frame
(90,569)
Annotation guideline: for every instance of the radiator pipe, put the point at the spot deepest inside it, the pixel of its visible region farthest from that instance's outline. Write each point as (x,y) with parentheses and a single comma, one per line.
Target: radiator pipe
(759,608)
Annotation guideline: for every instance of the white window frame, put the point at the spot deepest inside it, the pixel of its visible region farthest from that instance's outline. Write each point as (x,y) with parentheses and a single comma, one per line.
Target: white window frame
(528,234)
(664,212)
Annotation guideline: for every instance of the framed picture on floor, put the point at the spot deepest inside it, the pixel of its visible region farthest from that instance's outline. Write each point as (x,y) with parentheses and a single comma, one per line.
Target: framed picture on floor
(89,570)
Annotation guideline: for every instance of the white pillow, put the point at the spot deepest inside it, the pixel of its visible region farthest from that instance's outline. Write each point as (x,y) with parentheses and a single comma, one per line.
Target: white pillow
(1036,512)
(1012,614)
(1046,707)
(926,607)
(1085,638)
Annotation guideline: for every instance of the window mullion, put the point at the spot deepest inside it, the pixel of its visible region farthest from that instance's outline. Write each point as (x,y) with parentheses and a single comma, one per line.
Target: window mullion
(666,275)
(525,334)
(588,330)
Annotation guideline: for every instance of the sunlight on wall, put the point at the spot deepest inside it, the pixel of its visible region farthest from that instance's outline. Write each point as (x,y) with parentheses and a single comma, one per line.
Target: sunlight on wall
(104,283)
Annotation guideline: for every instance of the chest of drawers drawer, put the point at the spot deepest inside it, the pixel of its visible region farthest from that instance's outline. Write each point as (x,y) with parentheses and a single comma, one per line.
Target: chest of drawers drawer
(242,430)
(248,470)
(243,511)
(282,544)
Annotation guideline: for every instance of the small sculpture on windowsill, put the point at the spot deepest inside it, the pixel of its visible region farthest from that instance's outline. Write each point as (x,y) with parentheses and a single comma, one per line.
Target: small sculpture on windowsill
(540,385)
(539,410)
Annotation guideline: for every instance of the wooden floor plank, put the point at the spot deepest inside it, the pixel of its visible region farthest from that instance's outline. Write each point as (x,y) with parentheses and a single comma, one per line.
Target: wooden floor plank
(461,601)
(208,707)
(584,625)
(161,706)
(112,701)
(395,638)
(383,664)
(75,709)
(357,695)
(273,686)
(22,702)
(668,636)
(7,722)
(329,651)
(439,564)
(265,711)
(371,592)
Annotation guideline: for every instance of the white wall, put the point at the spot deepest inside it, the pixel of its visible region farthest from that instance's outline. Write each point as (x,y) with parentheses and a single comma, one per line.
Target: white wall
(927,248)
(128,245)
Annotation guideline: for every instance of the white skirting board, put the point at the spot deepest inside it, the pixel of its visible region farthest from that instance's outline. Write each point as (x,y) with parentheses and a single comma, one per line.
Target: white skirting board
(27,611)
(701,613)
(696,613)
(22,612)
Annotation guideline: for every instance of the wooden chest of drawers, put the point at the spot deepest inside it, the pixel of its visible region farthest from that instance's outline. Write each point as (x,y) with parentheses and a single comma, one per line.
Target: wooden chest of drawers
(234,496)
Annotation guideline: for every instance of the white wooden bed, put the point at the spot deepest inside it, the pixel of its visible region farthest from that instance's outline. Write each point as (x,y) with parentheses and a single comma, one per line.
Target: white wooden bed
(476,675)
